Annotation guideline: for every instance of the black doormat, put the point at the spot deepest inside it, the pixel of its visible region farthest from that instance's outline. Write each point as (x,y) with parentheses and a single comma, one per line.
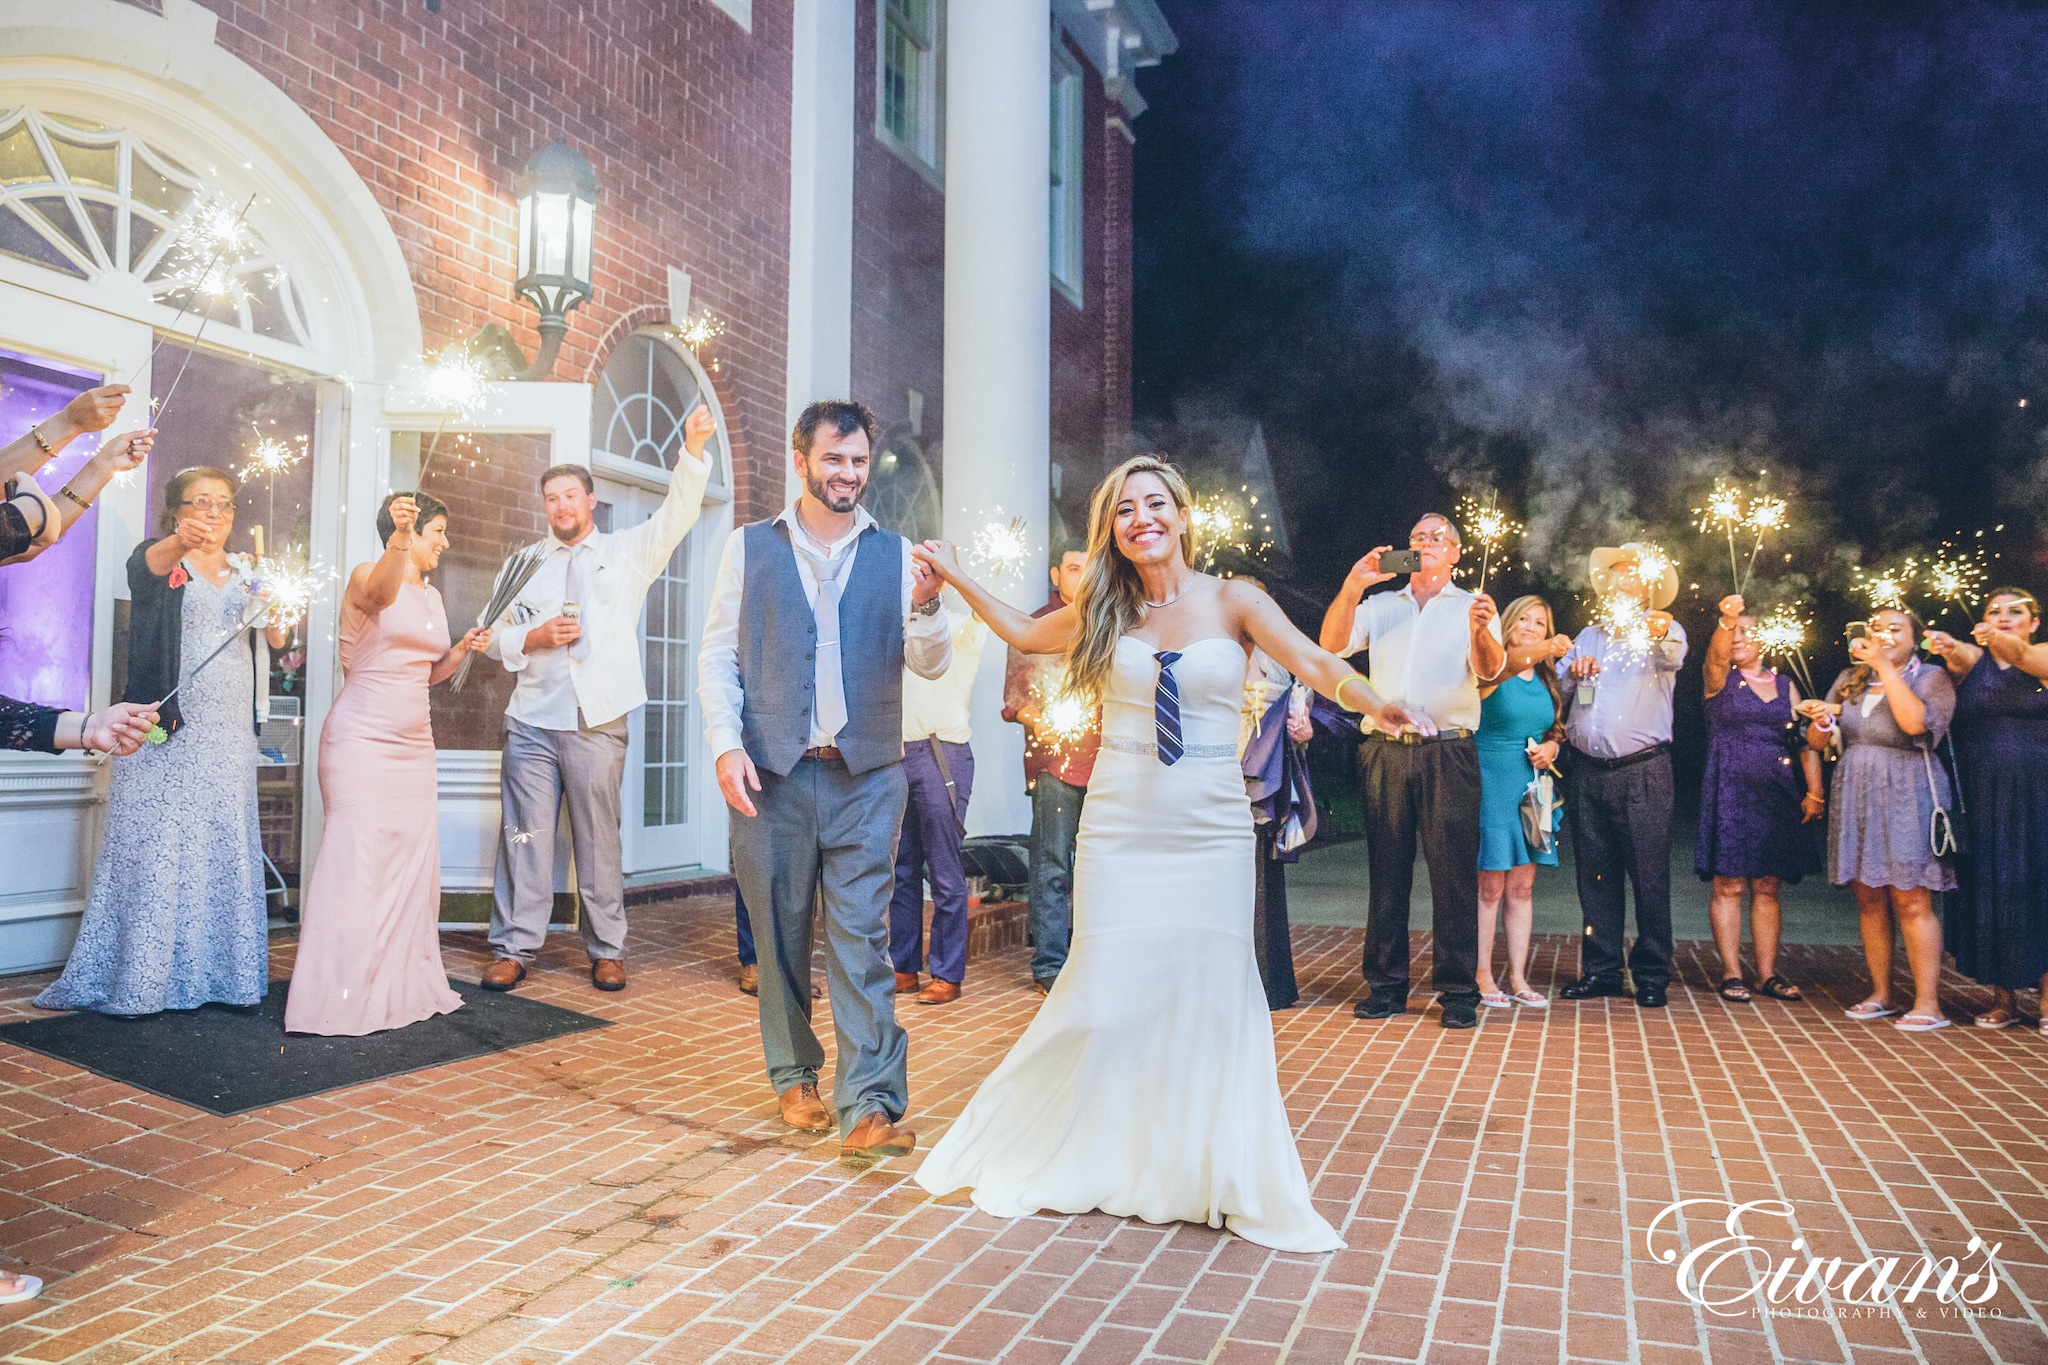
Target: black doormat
(226,1061)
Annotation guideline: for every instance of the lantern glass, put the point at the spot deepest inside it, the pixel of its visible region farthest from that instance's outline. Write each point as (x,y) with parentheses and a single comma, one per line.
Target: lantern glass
(551,232)
(525,235)
(580,234)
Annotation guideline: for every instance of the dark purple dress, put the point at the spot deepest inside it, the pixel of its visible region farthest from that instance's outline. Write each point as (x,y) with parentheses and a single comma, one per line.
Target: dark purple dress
(1749,799)
(1997,925)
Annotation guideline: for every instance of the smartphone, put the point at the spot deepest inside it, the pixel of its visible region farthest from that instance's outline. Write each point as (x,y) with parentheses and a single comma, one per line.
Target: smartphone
(1857,630)
(1401,561)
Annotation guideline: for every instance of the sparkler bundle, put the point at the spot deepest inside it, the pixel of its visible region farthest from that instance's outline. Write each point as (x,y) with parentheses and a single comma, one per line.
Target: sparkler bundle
(1726,512)
(1782,635)
(513,577)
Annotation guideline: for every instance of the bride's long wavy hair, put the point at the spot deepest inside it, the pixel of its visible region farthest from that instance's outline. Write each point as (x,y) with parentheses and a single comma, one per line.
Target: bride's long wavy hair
(1111,600)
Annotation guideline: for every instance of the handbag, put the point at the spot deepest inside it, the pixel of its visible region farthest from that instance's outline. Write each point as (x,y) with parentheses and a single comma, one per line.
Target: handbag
(1941,830)
(1539,809)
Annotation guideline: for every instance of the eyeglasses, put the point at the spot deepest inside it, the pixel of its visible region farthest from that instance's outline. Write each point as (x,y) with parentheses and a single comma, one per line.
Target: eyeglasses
(1431,538)
(210,507)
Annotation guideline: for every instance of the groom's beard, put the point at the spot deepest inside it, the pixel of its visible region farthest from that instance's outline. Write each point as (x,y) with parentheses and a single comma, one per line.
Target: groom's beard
(837,499)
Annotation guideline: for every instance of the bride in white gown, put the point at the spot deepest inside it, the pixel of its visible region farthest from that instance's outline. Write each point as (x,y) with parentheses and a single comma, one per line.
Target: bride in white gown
(1146,1086)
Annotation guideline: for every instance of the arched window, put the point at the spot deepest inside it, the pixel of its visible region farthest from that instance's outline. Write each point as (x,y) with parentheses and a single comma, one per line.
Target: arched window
(902,495)
(643,397)
(93,201)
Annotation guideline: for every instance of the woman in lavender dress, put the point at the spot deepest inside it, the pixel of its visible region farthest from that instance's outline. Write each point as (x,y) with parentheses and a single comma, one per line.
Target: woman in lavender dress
(1999,925)
(1891,710)
(1752,835)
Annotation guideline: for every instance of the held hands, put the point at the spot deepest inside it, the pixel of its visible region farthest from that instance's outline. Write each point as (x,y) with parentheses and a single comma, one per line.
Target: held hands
(1731,608)
(735,775)
(554,633)
(1366,572)
(698,429)
(941,557)
(1300,728)
(1482,612)
(925,582)
(1818,713)
(121,729)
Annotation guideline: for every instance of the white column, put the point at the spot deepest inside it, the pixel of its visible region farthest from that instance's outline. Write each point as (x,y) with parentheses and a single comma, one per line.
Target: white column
(820,210)
(998,332)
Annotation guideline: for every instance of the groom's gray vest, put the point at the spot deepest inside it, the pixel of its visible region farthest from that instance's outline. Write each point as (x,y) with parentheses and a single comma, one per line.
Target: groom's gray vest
(779,641)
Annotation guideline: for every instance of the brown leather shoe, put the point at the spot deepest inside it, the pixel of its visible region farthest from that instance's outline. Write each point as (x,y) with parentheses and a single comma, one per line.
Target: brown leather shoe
(1041,988)
(875,1136)
(906,983)
(939,993)
(607,973)
(750,979)
(801,1108)
(503,974)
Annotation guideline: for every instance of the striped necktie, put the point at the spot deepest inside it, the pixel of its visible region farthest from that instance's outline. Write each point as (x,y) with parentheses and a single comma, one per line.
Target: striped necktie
(1166,709)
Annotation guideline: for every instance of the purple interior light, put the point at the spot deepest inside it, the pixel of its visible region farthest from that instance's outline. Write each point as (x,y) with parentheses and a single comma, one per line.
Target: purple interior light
(46,607)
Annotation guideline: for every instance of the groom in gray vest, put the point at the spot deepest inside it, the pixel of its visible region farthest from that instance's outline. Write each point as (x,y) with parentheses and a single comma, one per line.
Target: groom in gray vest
(817,613)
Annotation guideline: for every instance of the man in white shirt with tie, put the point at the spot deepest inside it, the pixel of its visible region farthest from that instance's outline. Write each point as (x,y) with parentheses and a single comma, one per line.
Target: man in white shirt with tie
(816,615)
(572,637)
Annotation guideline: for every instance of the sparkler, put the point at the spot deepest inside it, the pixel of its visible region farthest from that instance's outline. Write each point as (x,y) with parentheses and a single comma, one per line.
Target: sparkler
(1064,720)
(1627,623)
(286,585)
(1723,512)
(700,329)
(1766,514)
(1488,525)
(212,225)
(1886,588)
(457,384)
(271,457)
(1001,546)
(1955,580)
(1782,635)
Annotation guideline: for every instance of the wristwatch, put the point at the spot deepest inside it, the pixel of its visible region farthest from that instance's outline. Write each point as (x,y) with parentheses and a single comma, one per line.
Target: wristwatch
(930,608)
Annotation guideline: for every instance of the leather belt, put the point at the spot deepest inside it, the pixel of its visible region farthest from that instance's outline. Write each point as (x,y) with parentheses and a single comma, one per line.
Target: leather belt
(1608,765)
(827,751)
(1415,737)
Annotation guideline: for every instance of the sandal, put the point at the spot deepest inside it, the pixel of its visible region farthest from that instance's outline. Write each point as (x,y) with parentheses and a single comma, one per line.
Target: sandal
(1921,1023)
(2001,1017)
(1536,1000)
(1736,989)
(1495,1000)
(1870,1009)
(1778,988)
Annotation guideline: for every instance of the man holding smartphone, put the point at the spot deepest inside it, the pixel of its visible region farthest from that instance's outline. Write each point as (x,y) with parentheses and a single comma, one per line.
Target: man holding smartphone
(1432,644)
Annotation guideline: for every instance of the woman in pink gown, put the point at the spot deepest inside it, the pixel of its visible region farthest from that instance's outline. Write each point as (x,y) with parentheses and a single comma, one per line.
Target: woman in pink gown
(369,950)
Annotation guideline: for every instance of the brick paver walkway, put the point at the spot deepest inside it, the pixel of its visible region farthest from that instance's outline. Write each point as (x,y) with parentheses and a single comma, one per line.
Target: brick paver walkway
(627,1195)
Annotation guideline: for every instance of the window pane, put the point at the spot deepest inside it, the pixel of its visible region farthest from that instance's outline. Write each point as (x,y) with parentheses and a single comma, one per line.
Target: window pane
(900,97)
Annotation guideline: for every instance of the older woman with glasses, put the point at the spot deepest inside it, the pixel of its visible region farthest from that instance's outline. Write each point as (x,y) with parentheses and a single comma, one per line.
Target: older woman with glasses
(176,918)
(1998,926)
(1890,710)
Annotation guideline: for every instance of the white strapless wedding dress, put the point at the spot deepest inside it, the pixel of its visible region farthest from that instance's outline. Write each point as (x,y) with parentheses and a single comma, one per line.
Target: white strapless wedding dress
(1146,1086)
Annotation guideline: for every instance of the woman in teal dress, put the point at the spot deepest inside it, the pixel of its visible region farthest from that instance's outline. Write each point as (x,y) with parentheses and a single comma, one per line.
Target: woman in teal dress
(1514,714)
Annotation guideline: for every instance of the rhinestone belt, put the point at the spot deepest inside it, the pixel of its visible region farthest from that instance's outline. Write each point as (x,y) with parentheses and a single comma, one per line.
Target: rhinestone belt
(1147,747)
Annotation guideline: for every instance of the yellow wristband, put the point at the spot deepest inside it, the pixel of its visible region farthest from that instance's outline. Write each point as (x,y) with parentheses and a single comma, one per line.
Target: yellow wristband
(1352,678)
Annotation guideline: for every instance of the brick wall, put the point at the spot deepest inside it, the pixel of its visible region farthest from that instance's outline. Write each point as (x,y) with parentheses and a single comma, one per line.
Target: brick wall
(684,115)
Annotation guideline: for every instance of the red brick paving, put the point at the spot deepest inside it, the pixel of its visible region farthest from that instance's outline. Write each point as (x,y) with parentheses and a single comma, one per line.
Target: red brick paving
(627,1195)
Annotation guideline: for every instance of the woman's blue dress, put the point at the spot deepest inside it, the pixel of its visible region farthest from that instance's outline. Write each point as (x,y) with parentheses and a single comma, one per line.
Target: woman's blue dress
(1998,925)
(1519,710)
(1750,821)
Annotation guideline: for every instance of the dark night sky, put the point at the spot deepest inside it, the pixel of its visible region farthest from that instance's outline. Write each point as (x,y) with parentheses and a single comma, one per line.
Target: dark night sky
(1595,254)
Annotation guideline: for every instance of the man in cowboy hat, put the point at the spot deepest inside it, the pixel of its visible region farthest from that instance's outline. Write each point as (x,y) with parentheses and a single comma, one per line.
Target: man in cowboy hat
(1619,772)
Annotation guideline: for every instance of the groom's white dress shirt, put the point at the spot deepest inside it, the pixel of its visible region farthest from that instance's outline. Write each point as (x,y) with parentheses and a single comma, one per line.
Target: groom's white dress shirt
(600,674)
(927,639)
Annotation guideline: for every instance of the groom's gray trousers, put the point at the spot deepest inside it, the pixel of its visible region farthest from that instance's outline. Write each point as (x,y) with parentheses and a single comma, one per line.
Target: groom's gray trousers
(823,829)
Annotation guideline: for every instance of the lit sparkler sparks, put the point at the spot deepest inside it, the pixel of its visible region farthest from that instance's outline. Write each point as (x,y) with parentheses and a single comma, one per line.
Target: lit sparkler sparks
(1001,546)
(1782,635)
(1886,588)
(1490,526)
(1219,524)
(1627,623)
(285,585)
(700,329)
(1956,579)
(458,384)
(272,456)
(1653,562)
(1064,720)
(1726,513)
(212,248)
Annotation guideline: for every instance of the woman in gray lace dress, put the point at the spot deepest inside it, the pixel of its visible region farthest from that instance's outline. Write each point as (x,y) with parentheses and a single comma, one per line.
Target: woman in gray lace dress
(176,915)
(1890,710)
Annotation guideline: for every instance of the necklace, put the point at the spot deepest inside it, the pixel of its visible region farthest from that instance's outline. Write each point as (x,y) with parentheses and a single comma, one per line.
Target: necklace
(1171,600)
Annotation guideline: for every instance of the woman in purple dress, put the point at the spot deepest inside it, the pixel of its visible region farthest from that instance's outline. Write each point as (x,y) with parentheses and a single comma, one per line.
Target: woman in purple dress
(1998,926)
(1753,814)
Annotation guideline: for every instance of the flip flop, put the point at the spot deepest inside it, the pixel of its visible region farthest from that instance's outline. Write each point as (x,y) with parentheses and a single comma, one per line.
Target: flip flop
(1536,1000)
(1497,1000)
(31,1286)
(1928,1023)
(1870,1009)
(1998,1018)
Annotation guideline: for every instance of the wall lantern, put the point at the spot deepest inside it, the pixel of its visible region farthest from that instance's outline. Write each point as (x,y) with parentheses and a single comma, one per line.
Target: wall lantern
(557,208)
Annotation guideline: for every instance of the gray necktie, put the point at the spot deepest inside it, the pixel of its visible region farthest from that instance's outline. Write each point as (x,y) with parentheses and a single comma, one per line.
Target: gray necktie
(831,712)
(574,591)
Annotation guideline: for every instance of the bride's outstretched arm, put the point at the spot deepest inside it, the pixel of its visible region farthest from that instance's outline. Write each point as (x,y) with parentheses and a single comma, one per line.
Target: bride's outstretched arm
(1259,617)
(1051,633)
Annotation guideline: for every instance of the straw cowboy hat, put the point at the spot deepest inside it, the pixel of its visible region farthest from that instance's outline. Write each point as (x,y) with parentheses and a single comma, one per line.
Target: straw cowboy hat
(1612,564)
